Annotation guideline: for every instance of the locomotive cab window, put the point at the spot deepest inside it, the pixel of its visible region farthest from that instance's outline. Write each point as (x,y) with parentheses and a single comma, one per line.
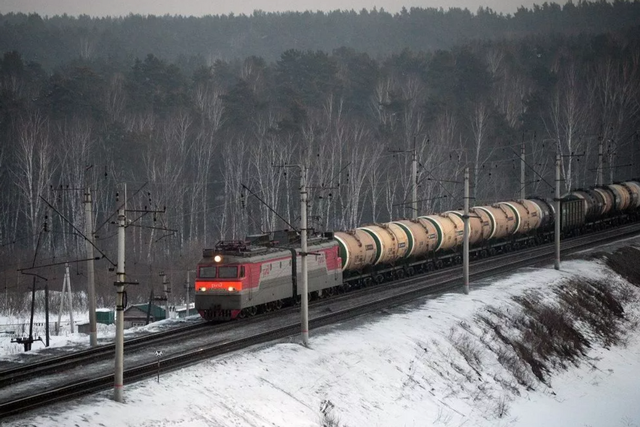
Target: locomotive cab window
(227,272)
(207,272)
(242,271)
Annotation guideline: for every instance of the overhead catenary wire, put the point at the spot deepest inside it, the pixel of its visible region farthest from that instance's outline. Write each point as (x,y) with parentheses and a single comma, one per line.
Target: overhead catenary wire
(269,207)
(77,230)
(106,221)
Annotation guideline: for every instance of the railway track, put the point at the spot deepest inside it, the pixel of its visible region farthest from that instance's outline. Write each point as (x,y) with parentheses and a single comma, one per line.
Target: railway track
(201,343)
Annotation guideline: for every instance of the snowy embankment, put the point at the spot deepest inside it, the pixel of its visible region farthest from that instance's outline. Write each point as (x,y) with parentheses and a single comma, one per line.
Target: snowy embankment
(525,350)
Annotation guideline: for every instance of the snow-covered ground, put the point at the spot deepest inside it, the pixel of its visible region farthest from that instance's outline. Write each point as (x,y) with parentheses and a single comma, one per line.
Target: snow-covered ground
(402,367)
(18,326)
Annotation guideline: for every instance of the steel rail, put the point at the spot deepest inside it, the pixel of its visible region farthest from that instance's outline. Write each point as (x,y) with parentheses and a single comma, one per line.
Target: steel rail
(53,364)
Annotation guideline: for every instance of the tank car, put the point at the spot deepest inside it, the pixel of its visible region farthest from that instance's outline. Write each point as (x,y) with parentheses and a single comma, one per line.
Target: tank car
(605,199)
(449,230)
(501,218)
(621,197)
(479,225)
(633,188)
(546,211)
(526,214)
(421,236)
(357,249)
(391,242)
(238,279)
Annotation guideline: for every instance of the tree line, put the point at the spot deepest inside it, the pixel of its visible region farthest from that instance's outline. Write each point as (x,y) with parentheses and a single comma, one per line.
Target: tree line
(192,142)
(53,41)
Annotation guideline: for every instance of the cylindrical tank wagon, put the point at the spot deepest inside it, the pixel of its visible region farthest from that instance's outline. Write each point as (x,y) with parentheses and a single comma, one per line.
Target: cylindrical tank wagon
(633,188)
(604,198)
(502,220)
(422,236)
(546,211)
(621,197)
(479,225)
(449,230)
(356,248)
(391,242)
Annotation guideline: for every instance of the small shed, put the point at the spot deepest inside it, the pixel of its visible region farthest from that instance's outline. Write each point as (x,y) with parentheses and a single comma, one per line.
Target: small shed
(84,328)
(105,316)
(136,315)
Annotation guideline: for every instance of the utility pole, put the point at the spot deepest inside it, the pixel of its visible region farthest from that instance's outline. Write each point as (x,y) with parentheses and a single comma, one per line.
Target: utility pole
(600,162)
(465,218)
(27,342)
(165,289)
(303,257)
(187,288)
(558,213)
(414,179)
(121,294)
(33,302)
(522,173)
(46,312)
(66,287)
(119,374)
(88,224)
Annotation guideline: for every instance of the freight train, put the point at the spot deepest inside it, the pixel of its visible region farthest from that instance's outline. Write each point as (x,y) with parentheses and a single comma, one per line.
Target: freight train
(261,274)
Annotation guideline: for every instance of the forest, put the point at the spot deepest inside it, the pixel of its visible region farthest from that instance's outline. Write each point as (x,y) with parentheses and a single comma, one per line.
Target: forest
(206,123)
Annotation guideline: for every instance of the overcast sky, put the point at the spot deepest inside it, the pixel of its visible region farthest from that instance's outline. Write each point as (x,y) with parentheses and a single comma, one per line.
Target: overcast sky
(217,7)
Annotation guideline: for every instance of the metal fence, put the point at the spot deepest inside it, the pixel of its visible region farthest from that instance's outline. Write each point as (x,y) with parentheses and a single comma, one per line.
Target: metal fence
(39,328)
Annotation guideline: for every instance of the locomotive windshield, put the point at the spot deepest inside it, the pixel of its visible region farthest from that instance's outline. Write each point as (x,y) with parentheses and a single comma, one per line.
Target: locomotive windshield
(227,272)
(207,272)
(213,272)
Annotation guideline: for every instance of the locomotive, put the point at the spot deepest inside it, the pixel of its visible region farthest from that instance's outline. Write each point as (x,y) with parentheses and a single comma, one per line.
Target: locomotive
(261,274)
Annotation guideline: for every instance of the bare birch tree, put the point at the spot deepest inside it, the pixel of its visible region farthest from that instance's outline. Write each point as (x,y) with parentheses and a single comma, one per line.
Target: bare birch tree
(481,151)
(233,222)
(567,119)
(33,168)
(616,90)
(73,156)
(267,156)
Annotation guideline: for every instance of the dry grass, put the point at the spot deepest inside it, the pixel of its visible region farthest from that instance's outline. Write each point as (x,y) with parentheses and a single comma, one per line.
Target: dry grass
(625,262)
(551,333)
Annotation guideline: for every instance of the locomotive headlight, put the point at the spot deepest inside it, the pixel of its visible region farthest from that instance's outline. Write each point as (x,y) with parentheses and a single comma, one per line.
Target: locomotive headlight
(231,289)
(203,289)
(217,258)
